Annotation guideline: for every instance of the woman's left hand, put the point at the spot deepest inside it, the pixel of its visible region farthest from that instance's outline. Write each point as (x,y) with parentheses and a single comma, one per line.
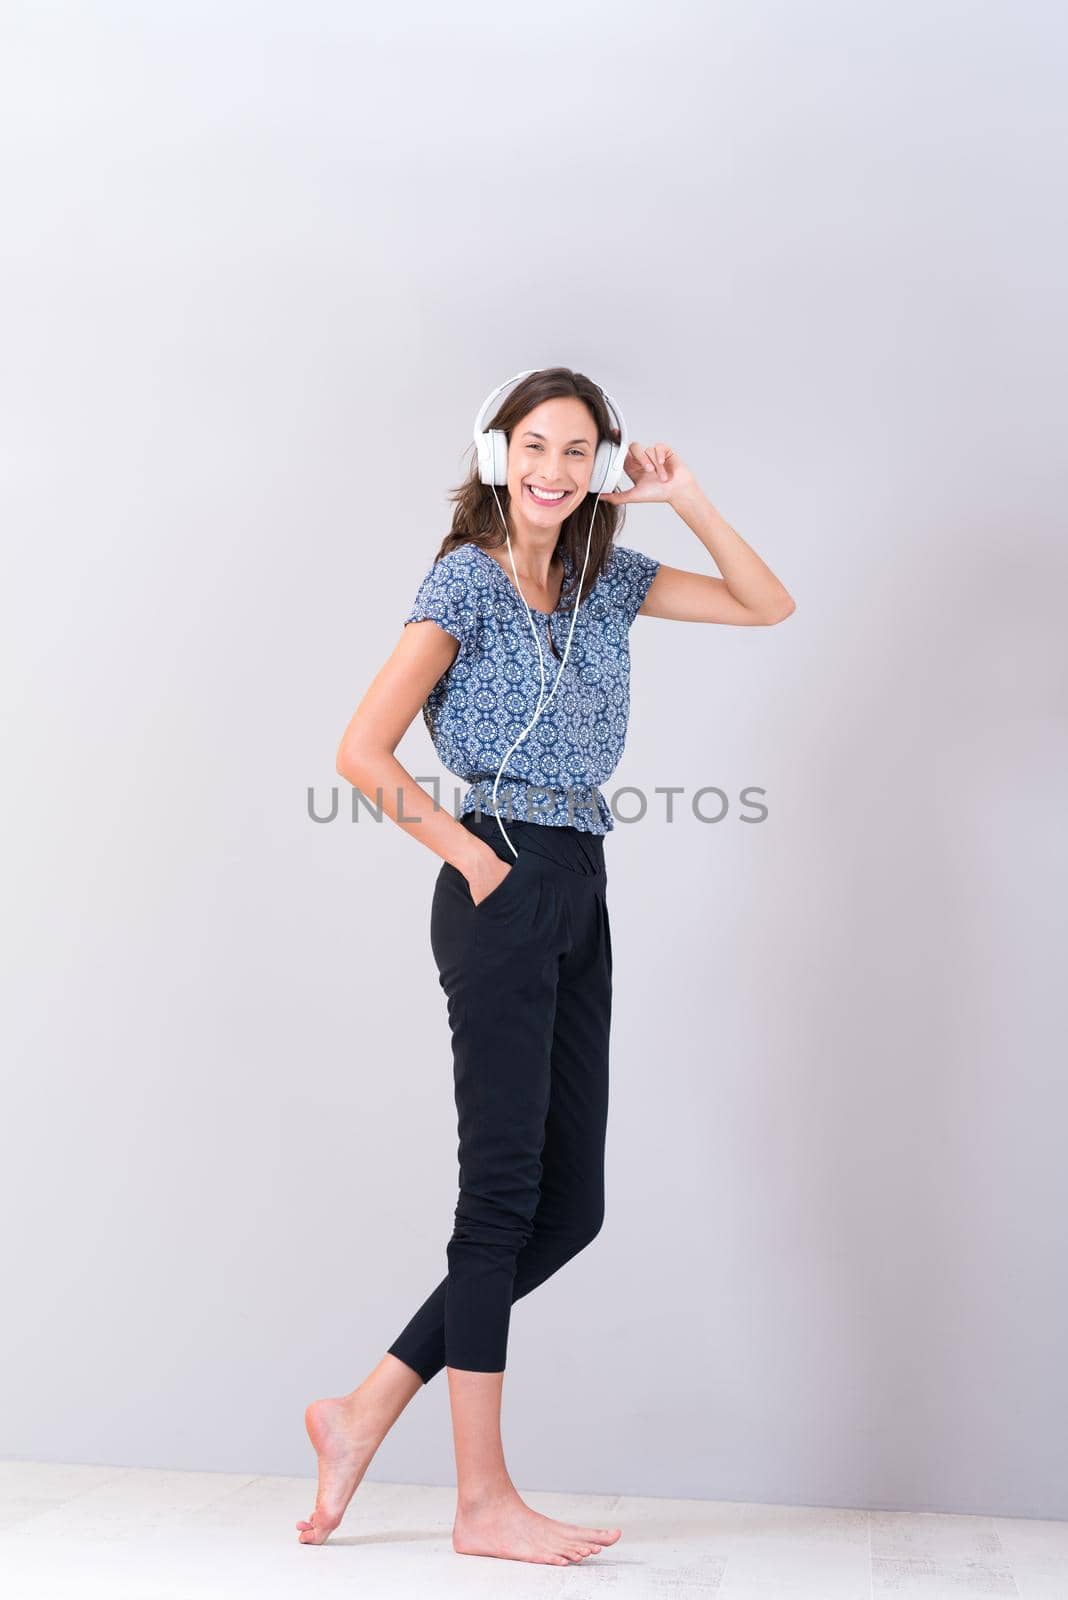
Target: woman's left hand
(656,472)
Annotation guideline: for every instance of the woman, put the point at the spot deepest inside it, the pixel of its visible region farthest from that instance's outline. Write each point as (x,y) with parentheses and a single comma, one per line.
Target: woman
(519,921)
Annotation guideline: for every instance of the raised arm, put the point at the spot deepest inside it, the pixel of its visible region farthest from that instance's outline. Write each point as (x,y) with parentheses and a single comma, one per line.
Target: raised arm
(749,595)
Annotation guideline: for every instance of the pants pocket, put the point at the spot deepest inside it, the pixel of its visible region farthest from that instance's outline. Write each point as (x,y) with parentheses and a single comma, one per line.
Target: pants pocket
(500,892)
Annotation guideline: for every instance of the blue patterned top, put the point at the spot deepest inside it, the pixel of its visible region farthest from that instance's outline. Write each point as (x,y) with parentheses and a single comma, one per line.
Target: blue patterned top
(490,692)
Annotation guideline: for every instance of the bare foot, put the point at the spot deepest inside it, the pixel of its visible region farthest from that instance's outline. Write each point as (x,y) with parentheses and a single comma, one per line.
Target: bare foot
(508,1527)
(345,1435)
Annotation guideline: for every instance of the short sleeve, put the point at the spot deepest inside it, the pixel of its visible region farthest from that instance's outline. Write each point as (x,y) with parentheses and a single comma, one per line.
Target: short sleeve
(631,575)
(446,596)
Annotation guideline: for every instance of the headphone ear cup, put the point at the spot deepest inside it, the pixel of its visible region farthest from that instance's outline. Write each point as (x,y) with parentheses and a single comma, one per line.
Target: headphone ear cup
(603,469)
(498,456)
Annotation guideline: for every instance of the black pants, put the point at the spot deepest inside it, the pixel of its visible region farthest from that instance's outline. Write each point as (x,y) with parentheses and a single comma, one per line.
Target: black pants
(528,977)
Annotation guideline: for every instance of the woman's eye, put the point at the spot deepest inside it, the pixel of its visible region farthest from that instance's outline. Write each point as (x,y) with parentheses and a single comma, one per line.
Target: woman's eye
(570,452)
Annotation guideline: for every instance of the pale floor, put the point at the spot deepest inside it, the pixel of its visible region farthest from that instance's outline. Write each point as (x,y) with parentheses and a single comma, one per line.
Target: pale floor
(75,1532)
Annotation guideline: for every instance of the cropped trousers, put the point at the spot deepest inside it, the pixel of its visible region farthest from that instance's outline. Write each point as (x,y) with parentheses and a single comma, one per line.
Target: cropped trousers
(527,973)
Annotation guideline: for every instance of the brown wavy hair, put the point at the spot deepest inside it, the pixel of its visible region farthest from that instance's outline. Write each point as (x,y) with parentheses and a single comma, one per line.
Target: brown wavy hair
(476,519)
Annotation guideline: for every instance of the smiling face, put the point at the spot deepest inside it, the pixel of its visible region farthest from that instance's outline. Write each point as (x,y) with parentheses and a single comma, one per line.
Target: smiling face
(551,449)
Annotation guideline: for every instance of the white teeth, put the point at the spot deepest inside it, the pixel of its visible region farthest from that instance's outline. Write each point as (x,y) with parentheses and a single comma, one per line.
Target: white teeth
(539,494)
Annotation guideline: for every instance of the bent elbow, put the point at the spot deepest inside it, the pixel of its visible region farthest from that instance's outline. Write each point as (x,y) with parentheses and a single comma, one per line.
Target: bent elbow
(349,760)
(355,759)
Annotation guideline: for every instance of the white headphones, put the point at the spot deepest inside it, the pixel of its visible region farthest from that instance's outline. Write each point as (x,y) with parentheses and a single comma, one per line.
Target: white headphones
(607,477)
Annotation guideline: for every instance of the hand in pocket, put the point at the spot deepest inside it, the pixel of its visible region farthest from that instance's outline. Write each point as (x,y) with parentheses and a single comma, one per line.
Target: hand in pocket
(489,877)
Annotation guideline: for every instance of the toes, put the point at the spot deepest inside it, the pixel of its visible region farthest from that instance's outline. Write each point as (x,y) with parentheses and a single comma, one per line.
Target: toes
(310,1534)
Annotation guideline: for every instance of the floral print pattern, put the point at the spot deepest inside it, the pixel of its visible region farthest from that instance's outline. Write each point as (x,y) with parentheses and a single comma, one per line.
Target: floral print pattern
(490,692)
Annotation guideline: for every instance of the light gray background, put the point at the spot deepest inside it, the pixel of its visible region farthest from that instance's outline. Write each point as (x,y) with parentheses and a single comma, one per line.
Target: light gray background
(261,263)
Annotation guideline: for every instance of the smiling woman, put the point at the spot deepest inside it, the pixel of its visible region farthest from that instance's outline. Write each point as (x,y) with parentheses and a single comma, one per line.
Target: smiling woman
(519,924)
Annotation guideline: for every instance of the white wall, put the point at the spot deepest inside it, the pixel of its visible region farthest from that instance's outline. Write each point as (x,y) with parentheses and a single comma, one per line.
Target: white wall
(260,266)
